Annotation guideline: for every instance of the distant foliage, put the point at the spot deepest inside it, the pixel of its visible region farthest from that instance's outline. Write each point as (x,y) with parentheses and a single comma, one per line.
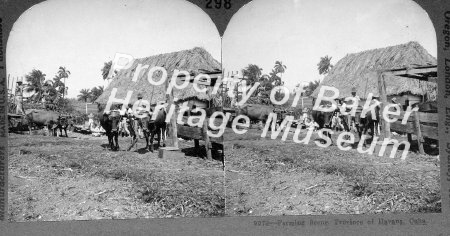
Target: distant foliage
(84,95)
(105,70)
(324,66)
(35,80)
(96,92)
(252,73)
(309,89)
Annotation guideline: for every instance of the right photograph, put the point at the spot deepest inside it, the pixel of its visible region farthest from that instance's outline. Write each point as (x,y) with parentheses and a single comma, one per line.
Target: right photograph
(333,109)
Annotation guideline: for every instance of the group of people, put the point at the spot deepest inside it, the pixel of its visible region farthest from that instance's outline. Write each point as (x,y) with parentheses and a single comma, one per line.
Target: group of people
(129,118)
(338,119)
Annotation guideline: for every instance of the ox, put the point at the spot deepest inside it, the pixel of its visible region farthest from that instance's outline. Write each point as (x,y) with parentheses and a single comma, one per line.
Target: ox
(150,128)
(157,126)
(62,124)
(255,112)
(323,119)
(41,118)
(110,123)
(368,122)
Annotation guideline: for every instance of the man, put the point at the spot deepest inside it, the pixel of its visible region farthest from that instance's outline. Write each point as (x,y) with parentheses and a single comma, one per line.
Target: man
(19,95)
(123,129)
(351,121)
(91,121)
(304,115)
(141,124)
(394,101)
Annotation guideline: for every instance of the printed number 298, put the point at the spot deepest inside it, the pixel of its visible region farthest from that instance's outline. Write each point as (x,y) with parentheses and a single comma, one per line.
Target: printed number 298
(218,4)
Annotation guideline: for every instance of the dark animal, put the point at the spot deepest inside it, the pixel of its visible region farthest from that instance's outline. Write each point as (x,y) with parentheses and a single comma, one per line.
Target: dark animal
(42,118)
(368,122)
(150,129)
(155,127)
(110,123)
(255,112)
(62,124)
(323,119)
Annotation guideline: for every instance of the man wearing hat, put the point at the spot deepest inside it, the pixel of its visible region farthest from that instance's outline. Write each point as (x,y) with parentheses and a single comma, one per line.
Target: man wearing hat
(141,124)
(351,121)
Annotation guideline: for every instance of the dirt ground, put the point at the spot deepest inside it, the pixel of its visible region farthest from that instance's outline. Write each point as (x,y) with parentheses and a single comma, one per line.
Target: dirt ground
(272,177)
(76,178)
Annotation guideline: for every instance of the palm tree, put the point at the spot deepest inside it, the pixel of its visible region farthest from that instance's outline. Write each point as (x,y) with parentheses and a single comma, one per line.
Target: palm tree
(35,82)
(280,68)
(106,68)
(58,84)
(63,73)
(324,65)
(84,95)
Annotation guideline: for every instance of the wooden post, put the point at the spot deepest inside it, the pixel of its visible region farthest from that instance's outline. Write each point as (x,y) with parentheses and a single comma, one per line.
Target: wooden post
(206,138)
(383,97)
(418,132)
(173,119)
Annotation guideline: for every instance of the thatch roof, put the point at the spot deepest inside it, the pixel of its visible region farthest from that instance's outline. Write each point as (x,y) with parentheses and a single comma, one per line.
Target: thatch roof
(360,70)
(195,61)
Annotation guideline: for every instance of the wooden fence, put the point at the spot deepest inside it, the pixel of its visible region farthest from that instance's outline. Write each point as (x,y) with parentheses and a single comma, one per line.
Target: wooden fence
(197,133)
(421,124)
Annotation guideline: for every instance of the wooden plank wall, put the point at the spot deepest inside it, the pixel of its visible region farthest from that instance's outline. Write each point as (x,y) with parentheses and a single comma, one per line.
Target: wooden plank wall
(420,124)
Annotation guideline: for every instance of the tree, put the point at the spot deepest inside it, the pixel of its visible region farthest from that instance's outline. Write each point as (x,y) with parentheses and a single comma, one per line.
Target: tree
(63,73)
(96,92)
(276,80)
(324,65)
(58,84)
(252,73)
(264,89)
(49,91)
(280,68)
(309,89)
(35,80)
(106,68)
(84,95)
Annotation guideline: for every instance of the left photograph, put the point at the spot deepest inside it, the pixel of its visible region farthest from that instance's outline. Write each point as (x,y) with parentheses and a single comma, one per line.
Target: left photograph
(109,113)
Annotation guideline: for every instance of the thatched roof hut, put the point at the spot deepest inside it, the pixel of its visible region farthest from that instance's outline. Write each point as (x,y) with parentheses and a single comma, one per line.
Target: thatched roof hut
(359,70)
(195,61)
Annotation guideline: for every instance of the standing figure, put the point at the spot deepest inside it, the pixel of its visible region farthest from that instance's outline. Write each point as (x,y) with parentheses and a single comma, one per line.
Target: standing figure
(123,127)
(351,121)
(19,98)
(141,124)
(91,122)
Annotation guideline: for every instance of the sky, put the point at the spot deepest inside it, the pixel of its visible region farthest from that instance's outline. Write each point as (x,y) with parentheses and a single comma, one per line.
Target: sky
(83,34)
(300,32)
